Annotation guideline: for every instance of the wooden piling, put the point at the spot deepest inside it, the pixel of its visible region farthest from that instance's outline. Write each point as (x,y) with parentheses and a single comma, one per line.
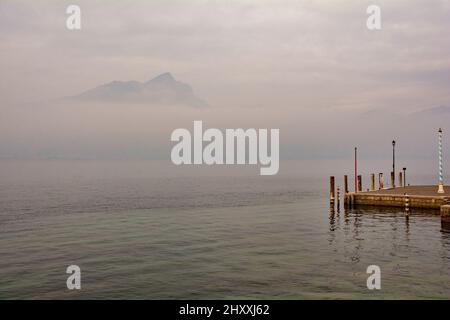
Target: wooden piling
(349,199)
(345,184)
(359,183)
(380,181)
(445,213)
(392,179)
(332,189)
(372,182)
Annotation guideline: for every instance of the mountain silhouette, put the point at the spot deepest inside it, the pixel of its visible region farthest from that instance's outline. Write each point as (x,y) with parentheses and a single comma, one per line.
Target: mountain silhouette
(161,90)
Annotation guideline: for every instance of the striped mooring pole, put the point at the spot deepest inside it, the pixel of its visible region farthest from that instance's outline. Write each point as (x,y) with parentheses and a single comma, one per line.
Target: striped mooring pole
(356,170)
(441,179)
(406,204)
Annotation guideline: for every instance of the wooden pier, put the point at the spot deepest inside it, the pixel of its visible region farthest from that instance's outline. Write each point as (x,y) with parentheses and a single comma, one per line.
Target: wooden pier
(407,197)
(400,195)
(423,197)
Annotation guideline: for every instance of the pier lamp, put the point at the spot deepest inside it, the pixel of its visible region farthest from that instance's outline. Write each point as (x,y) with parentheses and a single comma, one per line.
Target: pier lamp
(393,162)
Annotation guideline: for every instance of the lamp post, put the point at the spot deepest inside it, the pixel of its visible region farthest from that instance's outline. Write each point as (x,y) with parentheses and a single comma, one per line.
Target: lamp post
(441,179)
(393,163)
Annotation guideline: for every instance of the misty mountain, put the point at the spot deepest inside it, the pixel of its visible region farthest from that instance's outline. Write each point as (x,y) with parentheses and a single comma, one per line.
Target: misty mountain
(161,90)
(435,111)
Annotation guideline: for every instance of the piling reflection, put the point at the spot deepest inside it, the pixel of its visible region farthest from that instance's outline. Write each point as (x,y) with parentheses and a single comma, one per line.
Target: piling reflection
(407,227)
(366,229)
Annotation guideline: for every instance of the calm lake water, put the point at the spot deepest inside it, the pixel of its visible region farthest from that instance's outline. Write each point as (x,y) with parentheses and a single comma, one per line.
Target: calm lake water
(142,230)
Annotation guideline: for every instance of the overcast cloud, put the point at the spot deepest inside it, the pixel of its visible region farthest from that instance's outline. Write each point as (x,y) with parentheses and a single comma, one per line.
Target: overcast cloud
(292,61)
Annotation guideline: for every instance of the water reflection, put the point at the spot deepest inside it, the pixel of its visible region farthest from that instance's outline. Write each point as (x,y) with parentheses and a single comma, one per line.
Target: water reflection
(445,226)
(368,229)
(407,227)
(332,219)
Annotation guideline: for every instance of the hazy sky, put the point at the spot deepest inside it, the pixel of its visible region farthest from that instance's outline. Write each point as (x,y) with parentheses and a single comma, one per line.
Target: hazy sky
(308,53)
(312,60)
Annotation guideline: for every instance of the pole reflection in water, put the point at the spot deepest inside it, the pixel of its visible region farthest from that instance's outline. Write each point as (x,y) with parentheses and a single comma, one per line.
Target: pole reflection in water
(387,233)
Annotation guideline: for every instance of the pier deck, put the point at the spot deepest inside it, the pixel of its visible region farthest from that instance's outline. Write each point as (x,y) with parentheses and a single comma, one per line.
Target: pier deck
(424,197)
(412,191)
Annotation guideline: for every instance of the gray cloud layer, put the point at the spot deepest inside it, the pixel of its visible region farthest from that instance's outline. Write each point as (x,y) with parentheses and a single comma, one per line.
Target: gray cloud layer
(240,52)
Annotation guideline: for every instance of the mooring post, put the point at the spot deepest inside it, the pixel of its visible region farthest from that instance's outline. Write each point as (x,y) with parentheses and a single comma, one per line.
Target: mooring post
(393,164)
(445,217)
(380,181)
(372,182)
(345,184)
(400,179)
(445,212)
(392,179)
(349,200)
(406,204)
(332,189)
(404,177)
(359,183)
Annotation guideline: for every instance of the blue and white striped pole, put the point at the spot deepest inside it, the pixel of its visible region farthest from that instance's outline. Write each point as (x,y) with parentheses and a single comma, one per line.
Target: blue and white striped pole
(441,179)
